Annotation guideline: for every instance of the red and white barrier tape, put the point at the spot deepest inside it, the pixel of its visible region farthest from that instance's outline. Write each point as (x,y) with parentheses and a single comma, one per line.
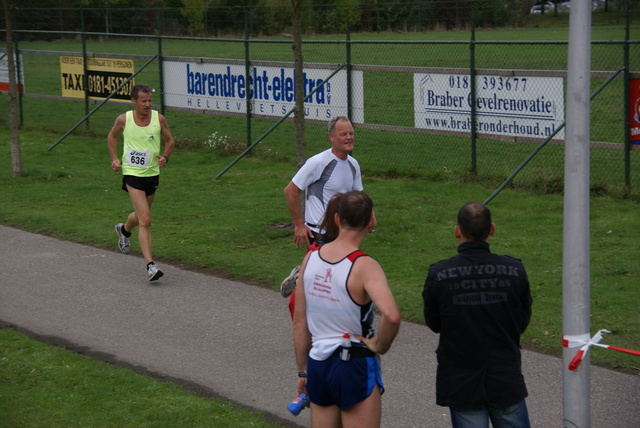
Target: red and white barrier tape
(584,342)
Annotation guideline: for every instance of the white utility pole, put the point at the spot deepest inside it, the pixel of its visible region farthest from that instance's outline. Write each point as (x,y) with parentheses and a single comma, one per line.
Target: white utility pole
(576,235)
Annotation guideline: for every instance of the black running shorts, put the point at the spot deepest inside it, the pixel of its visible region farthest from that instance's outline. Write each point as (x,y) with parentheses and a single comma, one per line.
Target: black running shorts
(147,184)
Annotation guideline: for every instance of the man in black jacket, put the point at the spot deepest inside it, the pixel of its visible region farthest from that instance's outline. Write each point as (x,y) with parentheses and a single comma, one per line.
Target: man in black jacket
(480,303)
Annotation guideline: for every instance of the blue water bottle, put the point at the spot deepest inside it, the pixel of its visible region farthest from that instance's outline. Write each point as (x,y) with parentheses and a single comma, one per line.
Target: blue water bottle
(298,404)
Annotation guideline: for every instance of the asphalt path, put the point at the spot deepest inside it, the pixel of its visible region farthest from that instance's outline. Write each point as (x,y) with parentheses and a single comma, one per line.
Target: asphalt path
(231,340)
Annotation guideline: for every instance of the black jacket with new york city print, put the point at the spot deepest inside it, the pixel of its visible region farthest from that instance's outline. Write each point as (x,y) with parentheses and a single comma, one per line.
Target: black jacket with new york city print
(480,303)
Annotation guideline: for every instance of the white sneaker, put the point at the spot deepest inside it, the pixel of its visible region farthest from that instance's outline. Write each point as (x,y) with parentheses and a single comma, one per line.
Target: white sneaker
(123,241)
(289,283)
(153,272)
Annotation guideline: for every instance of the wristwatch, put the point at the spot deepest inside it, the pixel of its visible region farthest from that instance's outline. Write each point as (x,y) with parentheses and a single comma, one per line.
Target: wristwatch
(302,374)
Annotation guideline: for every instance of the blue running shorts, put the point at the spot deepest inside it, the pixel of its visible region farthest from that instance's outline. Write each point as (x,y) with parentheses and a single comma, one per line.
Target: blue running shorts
(342,383)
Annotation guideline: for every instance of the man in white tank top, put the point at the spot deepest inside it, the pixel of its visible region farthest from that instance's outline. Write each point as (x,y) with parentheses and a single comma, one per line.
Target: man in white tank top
(337,291)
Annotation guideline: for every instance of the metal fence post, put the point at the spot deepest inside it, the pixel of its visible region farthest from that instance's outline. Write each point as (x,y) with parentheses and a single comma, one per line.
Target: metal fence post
(85,73)
(348,61)
(160,60)
(247,71)
(625,97)
(472,77)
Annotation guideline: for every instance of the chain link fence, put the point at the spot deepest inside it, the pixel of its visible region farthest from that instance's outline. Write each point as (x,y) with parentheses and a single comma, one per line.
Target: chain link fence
(422,107)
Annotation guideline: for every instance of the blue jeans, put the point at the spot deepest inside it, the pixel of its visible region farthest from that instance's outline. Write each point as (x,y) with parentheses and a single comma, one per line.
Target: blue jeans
(515,416)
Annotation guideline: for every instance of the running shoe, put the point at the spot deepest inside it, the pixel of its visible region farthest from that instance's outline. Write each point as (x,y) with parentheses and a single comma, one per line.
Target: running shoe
(289,283)
(153,272)
(123,241)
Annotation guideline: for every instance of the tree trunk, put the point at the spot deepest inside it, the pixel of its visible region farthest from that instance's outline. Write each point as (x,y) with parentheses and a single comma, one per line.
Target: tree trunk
(298,116)
(16,156)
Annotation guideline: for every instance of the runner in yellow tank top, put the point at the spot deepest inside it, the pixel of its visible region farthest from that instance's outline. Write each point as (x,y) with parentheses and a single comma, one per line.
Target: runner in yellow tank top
(141,146)
(142,128)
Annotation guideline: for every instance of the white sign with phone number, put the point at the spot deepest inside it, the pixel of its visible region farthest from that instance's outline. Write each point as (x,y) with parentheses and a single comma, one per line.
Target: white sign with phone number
(524,106)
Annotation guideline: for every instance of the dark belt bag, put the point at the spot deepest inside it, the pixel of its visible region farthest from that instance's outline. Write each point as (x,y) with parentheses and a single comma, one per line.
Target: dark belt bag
(357,351)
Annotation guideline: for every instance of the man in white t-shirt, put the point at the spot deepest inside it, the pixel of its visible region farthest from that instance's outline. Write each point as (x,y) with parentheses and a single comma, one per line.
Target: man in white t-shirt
(320,178)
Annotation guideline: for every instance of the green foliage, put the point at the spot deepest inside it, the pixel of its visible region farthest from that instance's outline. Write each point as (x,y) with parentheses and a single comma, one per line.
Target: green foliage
(333,16)
(278,15)
(194,11)
(273,17)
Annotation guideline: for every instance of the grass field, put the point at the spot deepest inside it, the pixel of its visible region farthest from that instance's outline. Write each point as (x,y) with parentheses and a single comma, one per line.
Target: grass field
(44,386)
(234,225)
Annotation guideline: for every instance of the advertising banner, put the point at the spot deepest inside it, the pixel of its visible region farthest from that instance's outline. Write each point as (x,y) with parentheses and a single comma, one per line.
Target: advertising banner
(634,111)
(104,75)
(224,88)
(531,107)
(4,74)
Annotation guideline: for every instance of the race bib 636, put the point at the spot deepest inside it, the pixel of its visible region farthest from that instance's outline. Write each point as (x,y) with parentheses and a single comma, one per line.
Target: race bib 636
(138,159)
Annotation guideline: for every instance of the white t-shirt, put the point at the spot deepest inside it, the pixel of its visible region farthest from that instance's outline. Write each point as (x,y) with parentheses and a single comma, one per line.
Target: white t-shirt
(321,177)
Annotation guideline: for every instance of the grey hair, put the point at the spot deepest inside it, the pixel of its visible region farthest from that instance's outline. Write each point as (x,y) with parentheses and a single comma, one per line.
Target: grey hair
(334,120)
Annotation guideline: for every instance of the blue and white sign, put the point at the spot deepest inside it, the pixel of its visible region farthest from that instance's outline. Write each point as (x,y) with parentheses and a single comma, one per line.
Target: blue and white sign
(225,88)
(531,107)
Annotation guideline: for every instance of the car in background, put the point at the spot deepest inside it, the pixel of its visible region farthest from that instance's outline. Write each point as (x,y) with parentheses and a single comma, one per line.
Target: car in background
(564,7)
(540,8)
